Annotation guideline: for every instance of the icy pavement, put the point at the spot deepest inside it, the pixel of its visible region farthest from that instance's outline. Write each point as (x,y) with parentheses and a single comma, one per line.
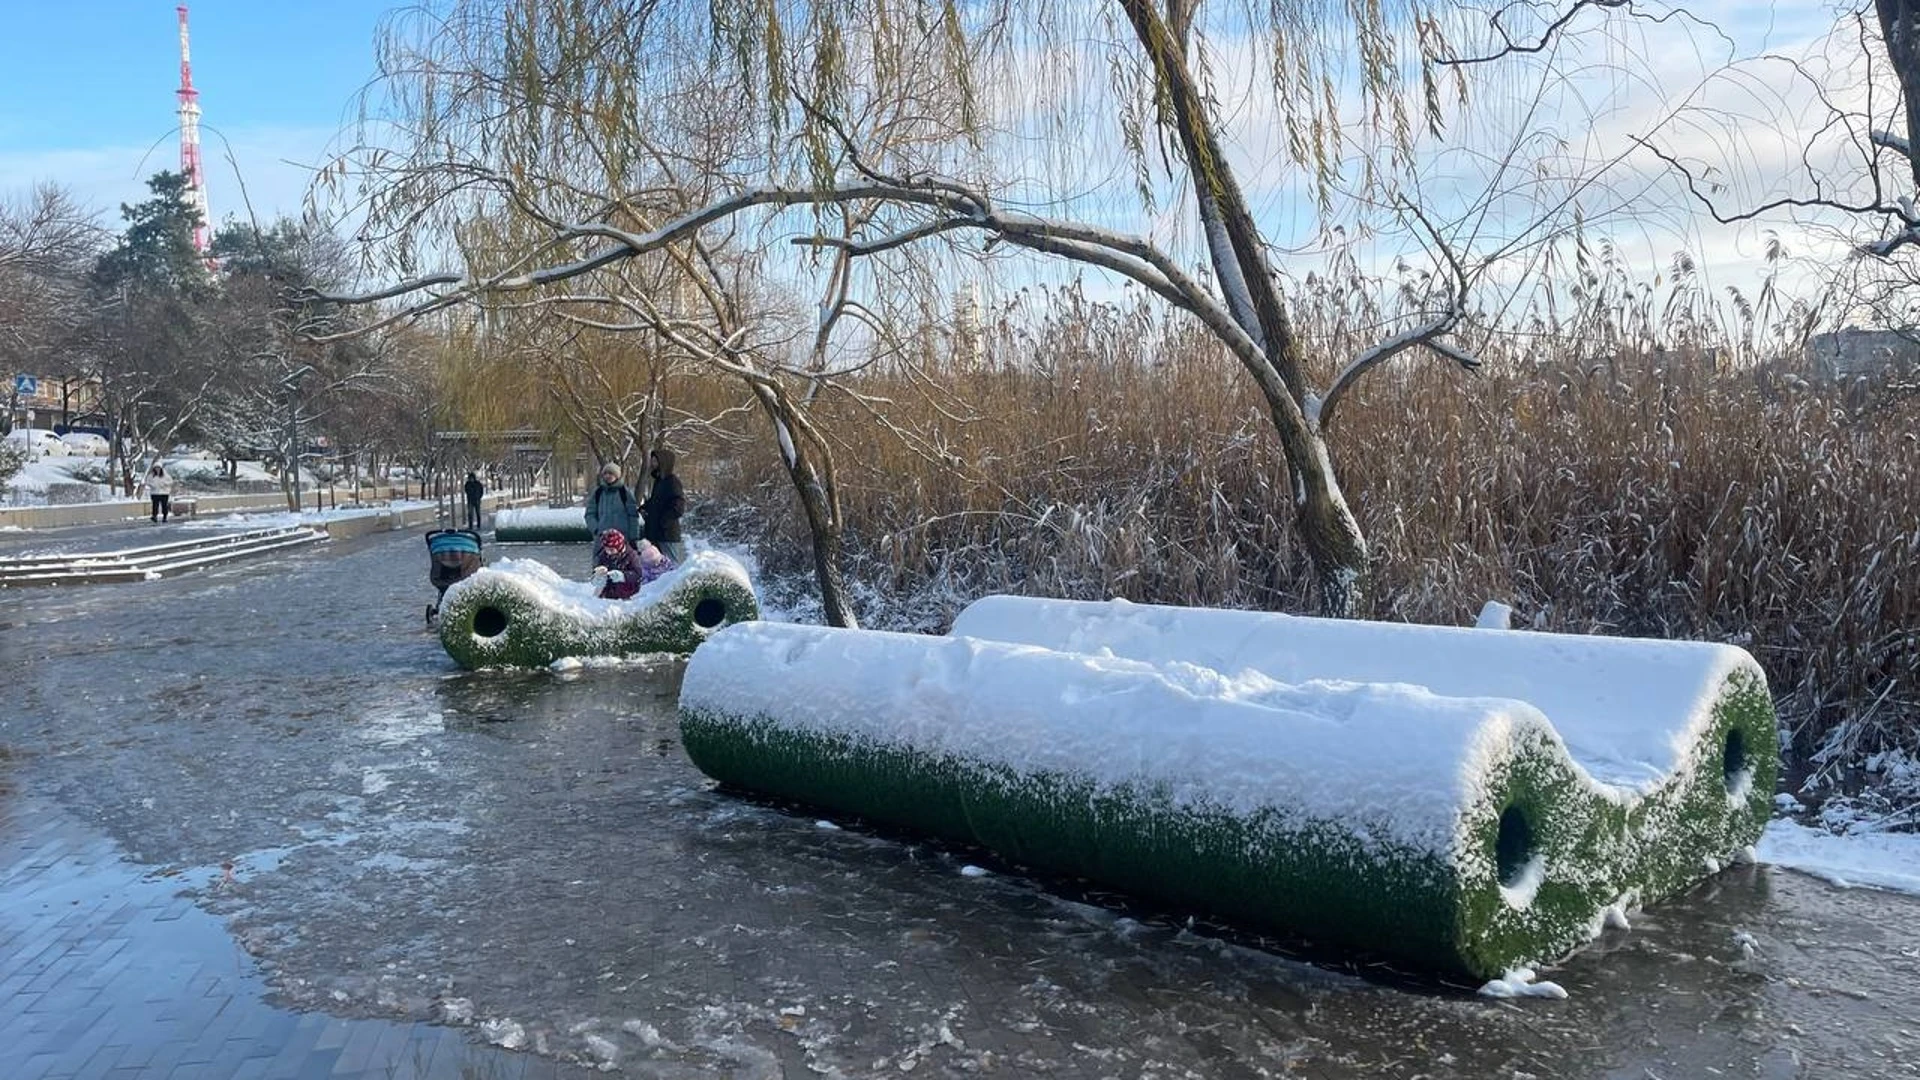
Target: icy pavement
(531,858)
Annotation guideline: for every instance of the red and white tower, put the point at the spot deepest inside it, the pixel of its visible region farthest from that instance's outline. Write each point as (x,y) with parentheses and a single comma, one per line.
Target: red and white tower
(190,139)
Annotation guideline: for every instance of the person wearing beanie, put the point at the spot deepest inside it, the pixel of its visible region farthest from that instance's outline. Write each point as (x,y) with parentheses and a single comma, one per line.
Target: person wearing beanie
(611,506)
(666,501)
(653,562)
(617,570)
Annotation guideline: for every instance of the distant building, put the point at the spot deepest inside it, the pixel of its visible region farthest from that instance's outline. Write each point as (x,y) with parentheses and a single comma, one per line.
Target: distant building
(1849,353)
(50,401)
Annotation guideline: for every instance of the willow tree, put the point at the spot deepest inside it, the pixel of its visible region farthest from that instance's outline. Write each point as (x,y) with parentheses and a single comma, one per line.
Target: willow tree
(574,115)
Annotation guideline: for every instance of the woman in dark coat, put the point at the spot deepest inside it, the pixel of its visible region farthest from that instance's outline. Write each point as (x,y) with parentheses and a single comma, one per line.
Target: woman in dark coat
(665,503)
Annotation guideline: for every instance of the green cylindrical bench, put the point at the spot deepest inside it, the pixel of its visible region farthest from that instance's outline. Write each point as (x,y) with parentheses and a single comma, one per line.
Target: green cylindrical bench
(519,613)
(1455,833)
(1683,731)
(541,525)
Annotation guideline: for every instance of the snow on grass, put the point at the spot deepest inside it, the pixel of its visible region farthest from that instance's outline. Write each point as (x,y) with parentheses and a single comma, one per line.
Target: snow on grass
(30,486)
(1396,760)
(541,525)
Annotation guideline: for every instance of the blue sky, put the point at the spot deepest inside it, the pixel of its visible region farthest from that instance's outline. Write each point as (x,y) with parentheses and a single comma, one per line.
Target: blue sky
(90,94)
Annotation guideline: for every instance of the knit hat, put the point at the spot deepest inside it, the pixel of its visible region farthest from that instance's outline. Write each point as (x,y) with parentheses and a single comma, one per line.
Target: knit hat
(612,540)
(611,468)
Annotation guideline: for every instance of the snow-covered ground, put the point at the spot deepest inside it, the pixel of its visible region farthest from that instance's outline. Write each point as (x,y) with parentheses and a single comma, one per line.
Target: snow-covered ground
(1875,859)
(280,519)
(29,486)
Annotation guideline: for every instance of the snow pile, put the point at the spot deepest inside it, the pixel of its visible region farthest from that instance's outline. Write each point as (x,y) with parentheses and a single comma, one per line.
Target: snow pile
(1444,830)
(84,479)
(1878,859)
(539,524)
(520,613)
(1521,982)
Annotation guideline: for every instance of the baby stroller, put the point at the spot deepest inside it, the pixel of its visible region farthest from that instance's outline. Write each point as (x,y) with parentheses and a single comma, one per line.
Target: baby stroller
(453,555)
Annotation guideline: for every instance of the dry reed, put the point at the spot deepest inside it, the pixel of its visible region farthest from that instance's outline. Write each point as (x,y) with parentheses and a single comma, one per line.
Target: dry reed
(1647,492)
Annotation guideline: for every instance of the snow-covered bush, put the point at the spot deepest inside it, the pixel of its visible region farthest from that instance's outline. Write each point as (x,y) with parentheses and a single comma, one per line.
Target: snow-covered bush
(12,460)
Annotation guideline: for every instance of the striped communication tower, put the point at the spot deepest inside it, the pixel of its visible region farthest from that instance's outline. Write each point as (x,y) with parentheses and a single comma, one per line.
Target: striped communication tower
(190,139)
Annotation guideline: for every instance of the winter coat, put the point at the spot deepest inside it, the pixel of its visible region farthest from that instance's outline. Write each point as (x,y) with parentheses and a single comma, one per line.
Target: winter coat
(475,490)
(611,507)
(161,484)
(627,564)
(654,563)
(665,502)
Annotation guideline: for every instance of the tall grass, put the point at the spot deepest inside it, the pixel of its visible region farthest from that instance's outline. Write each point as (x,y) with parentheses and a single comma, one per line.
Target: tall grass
(1643,490)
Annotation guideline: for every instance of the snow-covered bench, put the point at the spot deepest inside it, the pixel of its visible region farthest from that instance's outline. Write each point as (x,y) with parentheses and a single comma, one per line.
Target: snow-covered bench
(1399,790)
(1683,731)
(520,613)
(540,524)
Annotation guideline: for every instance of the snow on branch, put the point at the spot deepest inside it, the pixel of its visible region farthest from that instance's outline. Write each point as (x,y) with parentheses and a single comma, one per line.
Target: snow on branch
(1892,142)
(1427,334)
(626,245)
(1131,256)
(1320,410)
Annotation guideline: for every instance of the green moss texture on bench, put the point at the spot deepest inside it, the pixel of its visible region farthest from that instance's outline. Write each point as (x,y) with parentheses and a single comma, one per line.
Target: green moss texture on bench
(1683,732)
(520,613)
(1452,833)
(541,525)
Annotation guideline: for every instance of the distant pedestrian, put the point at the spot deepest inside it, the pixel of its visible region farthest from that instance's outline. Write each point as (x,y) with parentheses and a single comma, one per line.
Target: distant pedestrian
(610,506)
(159,487)
(475,492)
(665,503)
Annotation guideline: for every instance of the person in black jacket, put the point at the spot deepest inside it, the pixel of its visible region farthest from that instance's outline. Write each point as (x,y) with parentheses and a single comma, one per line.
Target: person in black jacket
(475,492)
(660,514)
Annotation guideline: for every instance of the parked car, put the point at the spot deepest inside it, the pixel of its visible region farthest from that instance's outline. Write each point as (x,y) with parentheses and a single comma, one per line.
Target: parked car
(86,443)
(38,442)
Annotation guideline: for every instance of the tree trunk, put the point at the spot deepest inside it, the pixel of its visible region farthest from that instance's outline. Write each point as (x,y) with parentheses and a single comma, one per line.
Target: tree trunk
(826,559)
(1900,29)
(1328,528)
(818,498)
(1337,549)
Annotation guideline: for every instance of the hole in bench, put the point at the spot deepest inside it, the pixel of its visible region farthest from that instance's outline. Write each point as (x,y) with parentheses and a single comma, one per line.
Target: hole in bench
(1513,849)
(709,613)
(489,622)
(1733,759)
